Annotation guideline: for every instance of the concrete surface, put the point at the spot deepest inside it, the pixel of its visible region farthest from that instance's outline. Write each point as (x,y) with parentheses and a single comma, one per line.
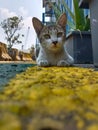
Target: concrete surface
(9,70)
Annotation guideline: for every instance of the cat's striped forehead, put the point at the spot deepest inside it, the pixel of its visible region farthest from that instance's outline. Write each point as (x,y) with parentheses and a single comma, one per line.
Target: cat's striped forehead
(52,28)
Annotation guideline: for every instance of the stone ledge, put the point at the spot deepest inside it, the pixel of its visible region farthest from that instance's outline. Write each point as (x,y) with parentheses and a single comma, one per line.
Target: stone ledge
(60,98)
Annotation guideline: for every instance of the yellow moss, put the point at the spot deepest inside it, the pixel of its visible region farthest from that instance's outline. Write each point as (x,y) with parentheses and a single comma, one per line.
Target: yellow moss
(80,123)
(53,97)
(93,127)
(9,121)
(91,116)
(45,123)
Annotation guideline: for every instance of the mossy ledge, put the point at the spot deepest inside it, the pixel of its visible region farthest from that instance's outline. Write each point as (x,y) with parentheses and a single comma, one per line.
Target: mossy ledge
(52,98)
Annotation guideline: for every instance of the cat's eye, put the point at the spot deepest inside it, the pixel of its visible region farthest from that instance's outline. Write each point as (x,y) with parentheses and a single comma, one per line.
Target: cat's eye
(47,36)
(59,34)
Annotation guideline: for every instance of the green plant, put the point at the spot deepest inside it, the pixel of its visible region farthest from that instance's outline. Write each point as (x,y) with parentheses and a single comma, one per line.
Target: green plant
(78,19)
(12,27)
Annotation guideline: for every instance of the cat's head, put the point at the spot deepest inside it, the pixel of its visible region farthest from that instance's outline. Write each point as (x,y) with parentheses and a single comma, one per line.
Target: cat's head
(51,37)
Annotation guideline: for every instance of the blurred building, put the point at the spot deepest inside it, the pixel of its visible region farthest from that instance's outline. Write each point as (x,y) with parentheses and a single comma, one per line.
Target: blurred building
(48,15)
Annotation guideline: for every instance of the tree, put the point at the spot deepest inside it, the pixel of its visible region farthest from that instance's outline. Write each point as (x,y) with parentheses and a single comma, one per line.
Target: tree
(11,27)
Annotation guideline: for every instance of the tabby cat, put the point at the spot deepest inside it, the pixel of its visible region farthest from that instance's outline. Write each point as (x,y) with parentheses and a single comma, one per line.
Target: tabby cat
(52,39)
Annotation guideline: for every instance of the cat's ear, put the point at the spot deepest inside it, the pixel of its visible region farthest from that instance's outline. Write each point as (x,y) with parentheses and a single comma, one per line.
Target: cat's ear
(37,24)
(62,21)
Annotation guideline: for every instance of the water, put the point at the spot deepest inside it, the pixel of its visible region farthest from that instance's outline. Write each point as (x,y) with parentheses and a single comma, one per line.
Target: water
(9,70)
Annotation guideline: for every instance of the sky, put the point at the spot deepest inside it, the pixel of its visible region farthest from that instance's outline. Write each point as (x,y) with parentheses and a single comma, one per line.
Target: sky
(27,9)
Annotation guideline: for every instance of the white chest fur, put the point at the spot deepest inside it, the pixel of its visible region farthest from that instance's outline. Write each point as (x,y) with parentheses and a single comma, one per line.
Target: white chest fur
(48,58)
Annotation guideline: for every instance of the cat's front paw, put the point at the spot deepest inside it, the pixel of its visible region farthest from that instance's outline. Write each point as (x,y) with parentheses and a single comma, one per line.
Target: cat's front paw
(43,63)
(63,63)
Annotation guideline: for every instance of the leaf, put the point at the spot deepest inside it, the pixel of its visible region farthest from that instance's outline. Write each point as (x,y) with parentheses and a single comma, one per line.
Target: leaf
(78,22)
(87,24)
(57,10)
(69,10)
(71,24)
(79,16)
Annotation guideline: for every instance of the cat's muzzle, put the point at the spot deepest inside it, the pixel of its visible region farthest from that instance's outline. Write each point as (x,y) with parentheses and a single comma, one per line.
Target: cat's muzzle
(55,42)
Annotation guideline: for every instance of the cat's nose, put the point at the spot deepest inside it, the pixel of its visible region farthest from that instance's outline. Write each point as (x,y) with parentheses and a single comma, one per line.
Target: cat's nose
(55,42)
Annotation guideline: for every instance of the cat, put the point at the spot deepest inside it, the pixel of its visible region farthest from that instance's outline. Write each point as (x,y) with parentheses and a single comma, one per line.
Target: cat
(52,39)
